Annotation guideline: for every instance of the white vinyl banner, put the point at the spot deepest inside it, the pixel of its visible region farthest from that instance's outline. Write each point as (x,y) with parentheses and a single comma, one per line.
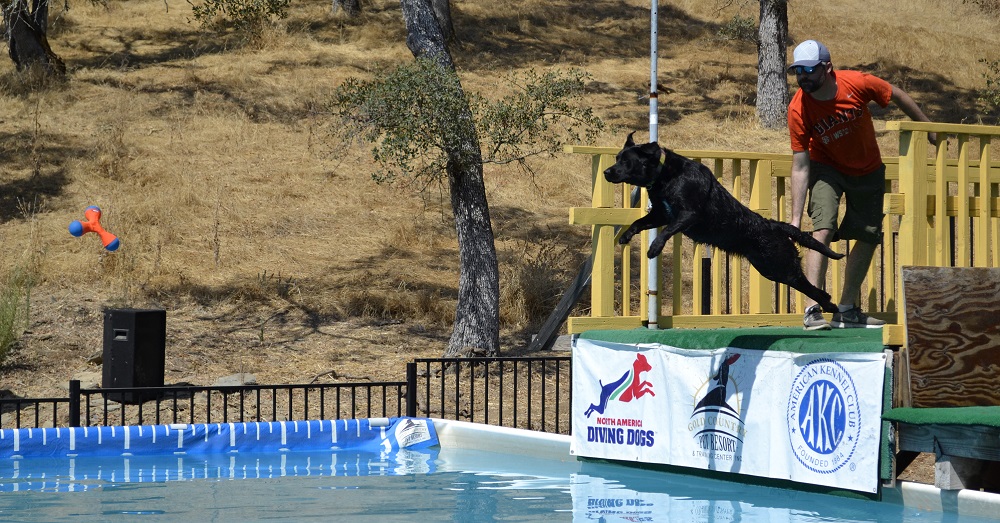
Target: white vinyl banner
(810,418)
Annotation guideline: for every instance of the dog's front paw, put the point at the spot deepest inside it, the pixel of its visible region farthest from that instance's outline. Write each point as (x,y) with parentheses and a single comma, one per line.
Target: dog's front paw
(625,237)
(655,248)
(654,251)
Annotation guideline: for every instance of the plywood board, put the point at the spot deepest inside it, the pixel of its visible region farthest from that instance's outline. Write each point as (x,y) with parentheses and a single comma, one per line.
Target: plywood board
(953,335)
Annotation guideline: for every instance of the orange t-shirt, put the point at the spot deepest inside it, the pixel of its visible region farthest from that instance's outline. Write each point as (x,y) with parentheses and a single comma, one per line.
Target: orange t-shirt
(840,132)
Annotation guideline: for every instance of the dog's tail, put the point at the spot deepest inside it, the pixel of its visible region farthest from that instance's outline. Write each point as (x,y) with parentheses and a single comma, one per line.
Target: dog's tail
(806,240)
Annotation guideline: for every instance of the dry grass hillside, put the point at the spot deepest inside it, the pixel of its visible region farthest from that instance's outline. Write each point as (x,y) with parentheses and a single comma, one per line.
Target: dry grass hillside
(266,241)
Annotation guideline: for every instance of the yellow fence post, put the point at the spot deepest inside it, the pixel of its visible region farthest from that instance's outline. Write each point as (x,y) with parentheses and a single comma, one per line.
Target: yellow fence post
(986,194)
(697,277)
(626,262)
(735,262)
(963,218)
(760,201)
(913,230)
(782,199)
(718,260)
(889,269)
(677,283)
(941,253)
(602,285)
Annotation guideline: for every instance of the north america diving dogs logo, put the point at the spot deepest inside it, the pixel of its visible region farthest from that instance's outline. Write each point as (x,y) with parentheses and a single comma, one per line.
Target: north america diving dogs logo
(824,416)
(626,388)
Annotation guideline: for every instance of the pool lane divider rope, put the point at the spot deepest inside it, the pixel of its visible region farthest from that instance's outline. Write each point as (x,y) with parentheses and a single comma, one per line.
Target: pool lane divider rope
(374,434)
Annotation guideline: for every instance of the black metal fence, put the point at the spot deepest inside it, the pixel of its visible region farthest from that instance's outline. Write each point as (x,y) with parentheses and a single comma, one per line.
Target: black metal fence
(529,393)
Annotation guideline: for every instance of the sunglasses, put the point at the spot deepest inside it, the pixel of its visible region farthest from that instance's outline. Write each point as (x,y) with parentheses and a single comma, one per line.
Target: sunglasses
(802,69)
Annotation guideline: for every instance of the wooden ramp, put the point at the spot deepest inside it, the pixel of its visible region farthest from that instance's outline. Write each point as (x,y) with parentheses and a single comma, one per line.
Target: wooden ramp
(952,319)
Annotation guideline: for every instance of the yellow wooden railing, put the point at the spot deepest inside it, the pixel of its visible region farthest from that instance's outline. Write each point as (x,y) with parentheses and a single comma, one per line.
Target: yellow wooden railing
(703,287)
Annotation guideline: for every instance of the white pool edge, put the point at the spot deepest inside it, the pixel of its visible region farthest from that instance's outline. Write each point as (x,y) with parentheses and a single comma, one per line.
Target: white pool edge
(477,436)
(932,499)
(465,435)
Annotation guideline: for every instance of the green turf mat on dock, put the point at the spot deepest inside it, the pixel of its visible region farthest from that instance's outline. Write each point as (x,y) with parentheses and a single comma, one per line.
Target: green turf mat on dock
(986,416)
(788,339)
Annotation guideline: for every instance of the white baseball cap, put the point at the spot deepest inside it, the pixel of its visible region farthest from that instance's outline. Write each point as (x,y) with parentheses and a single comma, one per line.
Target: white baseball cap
(810,53)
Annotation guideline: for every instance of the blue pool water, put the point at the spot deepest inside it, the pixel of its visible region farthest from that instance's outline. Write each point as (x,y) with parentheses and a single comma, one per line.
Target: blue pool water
(398,484)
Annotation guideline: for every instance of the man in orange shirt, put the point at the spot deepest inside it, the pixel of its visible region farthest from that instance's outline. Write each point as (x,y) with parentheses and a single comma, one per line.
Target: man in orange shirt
(835,154)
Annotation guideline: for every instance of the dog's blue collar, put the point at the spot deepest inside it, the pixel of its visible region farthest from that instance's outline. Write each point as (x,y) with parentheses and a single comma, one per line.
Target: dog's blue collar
(669,209)
(666,204)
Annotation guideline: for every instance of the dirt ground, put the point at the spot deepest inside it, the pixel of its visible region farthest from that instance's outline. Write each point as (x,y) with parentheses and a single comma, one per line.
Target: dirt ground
(276,345)
(921,470)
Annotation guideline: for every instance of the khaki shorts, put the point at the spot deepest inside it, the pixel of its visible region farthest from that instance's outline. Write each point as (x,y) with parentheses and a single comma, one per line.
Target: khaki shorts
(863,218)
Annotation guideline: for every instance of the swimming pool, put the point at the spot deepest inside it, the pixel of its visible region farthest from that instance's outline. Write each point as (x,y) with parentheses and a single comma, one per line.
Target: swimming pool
(522,477)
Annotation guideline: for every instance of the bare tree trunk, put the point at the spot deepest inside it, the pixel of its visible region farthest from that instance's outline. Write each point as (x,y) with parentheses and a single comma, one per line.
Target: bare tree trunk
(442,12)
(351,8)
(477,316)
(772,80)
(26,36)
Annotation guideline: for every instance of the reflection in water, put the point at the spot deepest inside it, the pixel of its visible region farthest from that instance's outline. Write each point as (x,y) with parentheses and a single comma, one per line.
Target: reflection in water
(77,474)
(430,484)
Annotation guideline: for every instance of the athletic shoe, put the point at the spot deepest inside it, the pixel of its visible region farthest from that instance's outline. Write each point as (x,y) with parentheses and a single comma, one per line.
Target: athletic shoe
(855,319)
(814,320)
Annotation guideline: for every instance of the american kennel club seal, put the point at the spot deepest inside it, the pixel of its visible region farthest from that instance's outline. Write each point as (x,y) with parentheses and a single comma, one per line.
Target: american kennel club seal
(715,422)
(824,417)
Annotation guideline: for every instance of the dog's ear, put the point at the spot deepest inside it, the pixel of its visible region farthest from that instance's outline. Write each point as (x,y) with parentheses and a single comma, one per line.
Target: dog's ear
(651,149)
(628,141)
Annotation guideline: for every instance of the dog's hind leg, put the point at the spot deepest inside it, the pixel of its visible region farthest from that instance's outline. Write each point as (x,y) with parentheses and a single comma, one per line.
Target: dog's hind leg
(801,284)
(806,240)
(786,269)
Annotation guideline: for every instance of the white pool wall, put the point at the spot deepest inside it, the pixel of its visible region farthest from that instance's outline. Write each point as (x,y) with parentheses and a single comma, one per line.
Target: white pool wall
(465,435)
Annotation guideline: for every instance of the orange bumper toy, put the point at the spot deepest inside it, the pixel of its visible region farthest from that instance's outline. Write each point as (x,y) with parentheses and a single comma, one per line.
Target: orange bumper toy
(93,224)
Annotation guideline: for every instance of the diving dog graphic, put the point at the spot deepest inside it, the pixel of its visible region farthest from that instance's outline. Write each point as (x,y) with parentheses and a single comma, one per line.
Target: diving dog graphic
(616,390)
(715,398)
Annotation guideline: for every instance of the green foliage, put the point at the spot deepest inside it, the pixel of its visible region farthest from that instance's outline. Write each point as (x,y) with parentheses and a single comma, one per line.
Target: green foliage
(409,114)
(739,28)
(15,299)
(246,16)
(991,94)
(413,112)
(539,117)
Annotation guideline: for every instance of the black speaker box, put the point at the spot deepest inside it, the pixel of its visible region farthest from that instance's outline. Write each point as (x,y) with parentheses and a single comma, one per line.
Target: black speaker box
(134,351)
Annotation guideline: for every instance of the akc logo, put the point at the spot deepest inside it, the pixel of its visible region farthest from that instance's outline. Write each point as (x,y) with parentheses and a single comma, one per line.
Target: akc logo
(824,417)
(630,386)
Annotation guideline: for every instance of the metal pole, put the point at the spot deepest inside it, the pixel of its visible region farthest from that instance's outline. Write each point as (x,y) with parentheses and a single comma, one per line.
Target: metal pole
(411,389)
(74,403)
(653,266)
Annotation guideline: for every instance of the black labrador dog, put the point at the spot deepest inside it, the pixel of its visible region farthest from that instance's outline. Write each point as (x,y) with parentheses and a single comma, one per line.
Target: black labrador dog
(686,198)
